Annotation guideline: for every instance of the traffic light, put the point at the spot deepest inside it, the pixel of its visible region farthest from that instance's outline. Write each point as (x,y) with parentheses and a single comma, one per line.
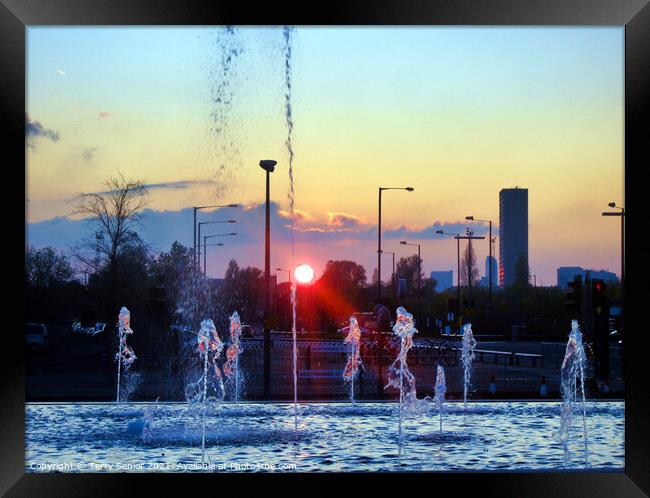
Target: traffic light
(599,301)
(600,316)
(573,296)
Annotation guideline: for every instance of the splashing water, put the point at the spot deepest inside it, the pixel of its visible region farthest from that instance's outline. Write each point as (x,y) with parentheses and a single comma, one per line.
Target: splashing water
(354,358)
(399,375)
(292,199)
(125,355)
(231,366)
(223,147)
(209,347)
(571,374)
(440,390)
(467,355)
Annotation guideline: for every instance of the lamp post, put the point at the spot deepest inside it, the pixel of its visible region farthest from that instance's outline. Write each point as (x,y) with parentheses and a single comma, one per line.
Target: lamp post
(267,165)
(288,274)
(381,189)
(620,213)
(198,248)
(197,208)
(404,243)
(205,238)
(471,218)
(392,274)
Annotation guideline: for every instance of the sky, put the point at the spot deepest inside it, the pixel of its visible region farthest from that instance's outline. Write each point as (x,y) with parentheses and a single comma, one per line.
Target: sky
(457,113)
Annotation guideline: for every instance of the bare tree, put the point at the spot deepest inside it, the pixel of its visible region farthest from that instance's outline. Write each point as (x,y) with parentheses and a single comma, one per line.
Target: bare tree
(114,213)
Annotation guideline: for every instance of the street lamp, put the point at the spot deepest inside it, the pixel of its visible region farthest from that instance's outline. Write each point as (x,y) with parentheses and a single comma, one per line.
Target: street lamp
(471,218)
(381,189)
(267,165)
(620,213)
(198,249)
(288,274)
(392,274)
(205,238)
(196,208)
(404,243)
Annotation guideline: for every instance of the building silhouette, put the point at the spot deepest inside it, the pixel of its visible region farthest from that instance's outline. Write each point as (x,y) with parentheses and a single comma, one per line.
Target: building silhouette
(566,274)
(444,279)
(513,234)
(485,280)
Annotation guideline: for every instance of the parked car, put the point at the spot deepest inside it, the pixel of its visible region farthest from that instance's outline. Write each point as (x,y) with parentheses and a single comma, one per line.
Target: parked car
(36,336)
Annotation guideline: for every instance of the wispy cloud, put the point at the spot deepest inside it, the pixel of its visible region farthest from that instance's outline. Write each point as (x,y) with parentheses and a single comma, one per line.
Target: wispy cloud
(34,130)
(104,114)
(180,184)
(345,220)
(300,215)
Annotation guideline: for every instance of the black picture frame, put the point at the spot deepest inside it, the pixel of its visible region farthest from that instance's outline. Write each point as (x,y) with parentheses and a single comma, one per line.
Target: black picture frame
(17,15)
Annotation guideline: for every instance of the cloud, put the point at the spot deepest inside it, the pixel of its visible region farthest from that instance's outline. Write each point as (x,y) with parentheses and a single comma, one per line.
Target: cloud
(344,220)
(104,114)
(88,154)
(34,130)
(61,72)
(180,184)
(300,215)
(430,231)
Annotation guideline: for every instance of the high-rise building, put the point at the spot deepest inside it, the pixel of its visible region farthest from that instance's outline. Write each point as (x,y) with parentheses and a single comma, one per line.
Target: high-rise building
(566,274)
(444,279)
(513,234)
(485,281)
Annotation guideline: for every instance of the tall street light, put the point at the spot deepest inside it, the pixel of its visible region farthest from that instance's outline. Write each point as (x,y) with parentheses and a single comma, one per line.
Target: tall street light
(288,274)
(404,243)
(197,208)
(205,238)
(381,189)
(392,274)
(471,218)
(620,213)
(198,249)
(267,165)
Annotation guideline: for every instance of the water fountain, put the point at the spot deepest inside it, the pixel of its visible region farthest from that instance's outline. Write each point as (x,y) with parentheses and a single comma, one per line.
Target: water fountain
(572,373)
(354,358)
(288,114)
(125,355)
(399,375)
(440,390)
(231,366)
(467,355)
(210,346)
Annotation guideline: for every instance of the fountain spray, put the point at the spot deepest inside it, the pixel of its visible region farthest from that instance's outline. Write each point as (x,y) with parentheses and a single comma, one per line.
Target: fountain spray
(292,198)
(125,355)
(467,355)
(399,375)
(209,342)
(354,358)
(231,366)
(572,372)
(440,390)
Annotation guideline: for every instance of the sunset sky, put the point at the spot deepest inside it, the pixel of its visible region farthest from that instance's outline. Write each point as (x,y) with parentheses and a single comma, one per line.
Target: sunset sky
(458,113)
